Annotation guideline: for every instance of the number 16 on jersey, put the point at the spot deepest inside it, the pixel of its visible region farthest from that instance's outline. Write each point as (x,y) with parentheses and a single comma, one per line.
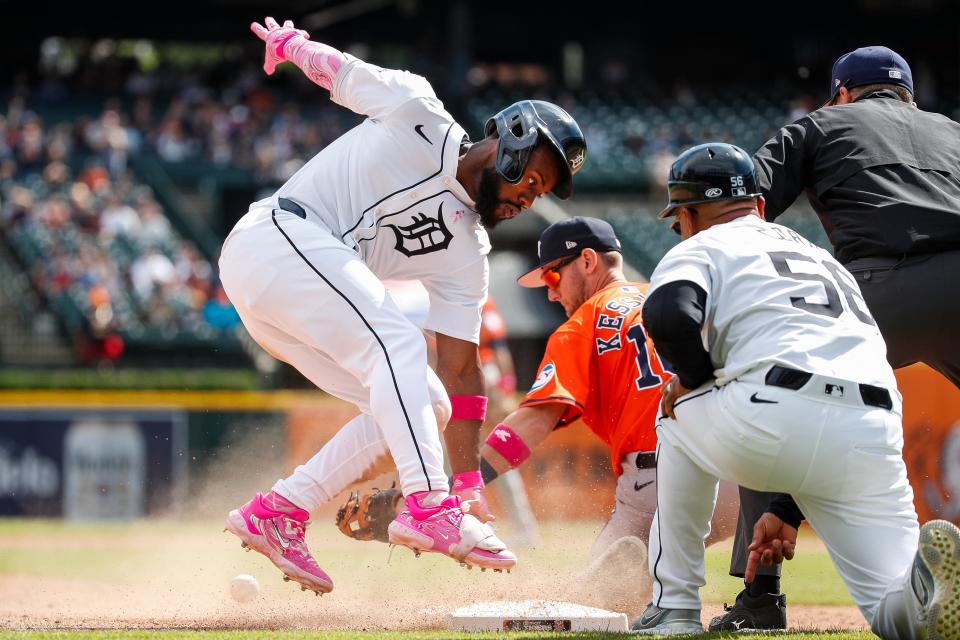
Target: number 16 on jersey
(646,378)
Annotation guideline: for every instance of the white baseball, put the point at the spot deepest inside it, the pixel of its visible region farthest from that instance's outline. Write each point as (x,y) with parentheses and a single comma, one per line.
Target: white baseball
(244,588)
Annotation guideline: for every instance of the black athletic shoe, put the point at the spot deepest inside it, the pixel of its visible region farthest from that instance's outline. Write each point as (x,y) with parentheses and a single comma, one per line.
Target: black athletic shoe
(768,611)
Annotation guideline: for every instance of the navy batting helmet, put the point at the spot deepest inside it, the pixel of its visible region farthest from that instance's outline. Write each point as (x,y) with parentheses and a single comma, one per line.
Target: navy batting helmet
(709,173)
(519,128)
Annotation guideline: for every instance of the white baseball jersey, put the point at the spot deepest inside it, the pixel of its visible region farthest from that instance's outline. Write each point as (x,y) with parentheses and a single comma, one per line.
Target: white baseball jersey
(773,297)
(388,189)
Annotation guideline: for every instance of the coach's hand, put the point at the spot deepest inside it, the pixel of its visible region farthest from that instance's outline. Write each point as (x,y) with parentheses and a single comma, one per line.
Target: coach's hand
(773,542)
(276,37)
(671,391)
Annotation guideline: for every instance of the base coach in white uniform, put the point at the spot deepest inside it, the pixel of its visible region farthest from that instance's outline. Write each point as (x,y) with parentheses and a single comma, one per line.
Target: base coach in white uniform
(402,196)
(782,385)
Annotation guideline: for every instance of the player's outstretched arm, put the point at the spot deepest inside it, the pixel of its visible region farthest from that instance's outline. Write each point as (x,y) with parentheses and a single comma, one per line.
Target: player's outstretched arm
(320,62)
(510,443)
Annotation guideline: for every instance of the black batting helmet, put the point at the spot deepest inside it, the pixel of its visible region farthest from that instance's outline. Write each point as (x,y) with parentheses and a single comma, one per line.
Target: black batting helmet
(709,173)
(518,129)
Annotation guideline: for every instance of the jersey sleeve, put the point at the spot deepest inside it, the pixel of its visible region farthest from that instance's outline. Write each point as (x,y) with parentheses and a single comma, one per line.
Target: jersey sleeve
(781,165)
(564,374)
(456,300)
(690,260)
(377,92)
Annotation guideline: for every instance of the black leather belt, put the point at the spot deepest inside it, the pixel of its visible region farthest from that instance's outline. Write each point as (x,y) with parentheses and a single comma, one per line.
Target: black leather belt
(788,378)
(290,206)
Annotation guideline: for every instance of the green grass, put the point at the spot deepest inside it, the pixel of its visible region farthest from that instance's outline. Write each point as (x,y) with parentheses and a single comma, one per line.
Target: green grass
(89,378)
(348,635)
(810,580)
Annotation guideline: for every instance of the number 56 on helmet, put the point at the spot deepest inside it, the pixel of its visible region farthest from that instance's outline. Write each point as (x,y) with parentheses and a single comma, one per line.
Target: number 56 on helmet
(709,173)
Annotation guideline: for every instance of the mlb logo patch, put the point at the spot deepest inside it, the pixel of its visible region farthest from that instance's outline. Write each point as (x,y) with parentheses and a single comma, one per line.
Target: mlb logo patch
(833,390)
(546,374)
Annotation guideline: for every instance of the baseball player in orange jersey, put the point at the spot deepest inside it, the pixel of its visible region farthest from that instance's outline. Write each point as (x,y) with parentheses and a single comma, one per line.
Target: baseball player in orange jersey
(600,367)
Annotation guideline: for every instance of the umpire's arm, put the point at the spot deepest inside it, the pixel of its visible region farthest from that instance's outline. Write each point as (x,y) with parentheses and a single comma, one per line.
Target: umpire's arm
(783,165)
(458,366)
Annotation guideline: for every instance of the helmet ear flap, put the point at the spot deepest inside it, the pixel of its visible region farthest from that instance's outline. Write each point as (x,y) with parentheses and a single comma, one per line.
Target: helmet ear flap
(523,125)
(517,136)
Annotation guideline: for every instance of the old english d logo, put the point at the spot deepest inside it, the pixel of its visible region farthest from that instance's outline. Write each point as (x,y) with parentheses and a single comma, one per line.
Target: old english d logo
(423,235)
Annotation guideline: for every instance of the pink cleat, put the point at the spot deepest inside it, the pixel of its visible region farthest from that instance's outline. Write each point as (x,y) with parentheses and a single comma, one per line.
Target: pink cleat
(446,529)
(275,527)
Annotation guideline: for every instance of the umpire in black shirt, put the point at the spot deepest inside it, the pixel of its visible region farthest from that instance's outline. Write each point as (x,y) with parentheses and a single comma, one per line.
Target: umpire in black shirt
(884,178)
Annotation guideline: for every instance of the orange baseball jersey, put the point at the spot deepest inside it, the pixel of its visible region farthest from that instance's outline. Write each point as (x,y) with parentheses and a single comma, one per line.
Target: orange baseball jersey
(602,364)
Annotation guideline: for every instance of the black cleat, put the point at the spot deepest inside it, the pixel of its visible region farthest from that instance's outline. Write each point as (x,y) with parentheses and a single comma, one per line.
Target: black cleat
(748,613)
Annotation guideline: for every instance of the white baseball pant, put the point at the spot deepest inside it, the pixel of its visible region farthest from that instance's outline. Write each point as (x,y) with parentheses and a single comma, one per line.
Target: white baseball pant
(310,301)
(636,505)
(839,459)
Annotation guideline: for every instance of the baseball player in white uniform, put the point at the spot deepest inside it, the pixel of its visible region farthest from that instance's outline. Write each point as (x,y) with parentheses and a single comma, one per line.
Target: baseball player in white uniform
(782,385)
(403,196)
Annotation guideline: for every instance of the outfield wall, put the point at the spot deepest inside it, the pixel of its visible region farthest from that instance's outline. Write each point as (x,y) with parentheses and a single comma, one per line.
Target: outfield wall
(170,434)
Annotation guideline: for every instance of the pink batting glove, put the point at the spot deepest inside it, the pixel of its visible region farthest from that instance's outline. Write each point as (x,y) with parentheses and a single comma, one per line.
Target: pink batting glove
(276,37)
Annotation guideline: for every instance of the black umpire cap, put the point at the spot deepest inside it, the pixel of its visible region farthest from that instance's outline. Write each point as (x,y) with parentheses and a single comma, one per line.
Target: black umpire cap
(870,65)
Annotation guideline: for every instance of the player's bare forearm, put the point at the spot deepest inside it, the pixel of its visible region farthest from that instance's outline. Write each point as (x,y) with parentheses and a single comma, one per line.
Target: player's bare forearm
(463,445)
(458,367)
(533,424)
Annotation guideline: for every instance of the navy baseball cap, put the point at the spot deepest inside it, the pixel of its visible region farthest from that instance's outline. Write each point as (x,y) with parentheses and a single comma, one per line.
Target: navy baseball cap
(569,238)
(870,65)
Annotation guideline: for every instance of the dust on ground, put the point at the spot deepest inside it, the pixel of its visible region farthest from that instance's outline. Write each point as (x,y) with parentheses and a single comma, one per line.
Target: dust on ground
(31,602)
(174,572)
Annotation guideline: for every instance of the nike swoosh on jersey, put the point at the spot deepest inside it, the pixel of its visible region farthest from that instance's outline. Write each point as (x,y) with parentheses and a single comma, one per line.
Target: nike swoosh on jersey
(637,486)
(757,400)
(419,129)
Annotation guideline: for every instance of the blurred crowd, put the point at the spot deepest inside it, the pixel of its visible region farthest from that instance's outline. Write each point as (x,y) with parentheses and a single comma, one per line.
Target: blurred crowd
(95,241)
(93,236)
(226,116)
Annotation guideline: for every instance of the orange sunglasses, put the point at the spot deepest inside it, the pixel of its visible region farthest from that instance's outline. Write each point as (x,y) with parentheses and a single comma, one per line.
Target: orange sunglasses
(551,276)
